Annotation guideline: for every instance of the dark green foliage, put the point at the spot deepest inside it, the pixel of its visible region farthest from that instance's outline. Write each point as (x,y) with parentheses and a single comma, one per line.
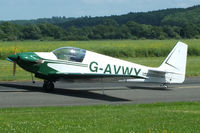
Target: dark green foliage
(32,32)
(53,20)
(172,32)
(10,31)
(50,30)
(161,24)
(189,15)
(189,30)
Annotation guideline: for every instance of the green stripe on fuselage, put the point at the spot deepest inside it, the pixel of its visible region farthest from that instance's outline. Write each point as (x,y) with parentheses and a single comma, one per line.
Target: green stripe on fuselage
(67,63)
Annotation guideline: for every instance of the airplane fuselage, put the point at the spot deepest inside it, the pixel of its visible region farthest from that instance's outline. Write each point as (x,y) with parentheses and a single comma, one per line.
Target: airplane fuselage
(74,63)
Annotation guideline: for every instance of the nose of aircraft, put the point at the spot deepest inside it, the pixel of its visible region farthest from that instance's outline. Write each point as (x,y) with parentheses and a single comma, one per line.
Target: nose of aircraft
(13,57)
(27,57)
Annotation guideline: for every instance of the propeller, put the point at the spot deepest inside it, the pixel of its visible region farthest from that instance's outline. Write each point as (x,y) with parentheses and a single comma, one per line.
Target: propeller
(14,63)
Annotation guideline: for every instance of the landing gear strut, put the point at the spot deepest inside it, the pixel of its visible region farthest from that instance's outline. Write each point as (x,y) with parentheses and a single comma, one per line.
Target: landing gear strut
(48,85)
(164,85)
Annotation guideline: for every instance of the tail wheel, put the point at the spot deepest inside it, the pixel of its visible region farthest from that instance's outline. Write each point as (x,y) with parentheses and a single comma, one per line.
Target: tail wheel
(164,85)
(48,86)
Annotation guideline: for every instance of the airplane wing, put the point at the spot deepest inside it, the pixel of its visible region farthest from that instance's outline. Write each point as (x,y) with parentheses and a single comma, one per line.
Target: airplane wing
(85,75)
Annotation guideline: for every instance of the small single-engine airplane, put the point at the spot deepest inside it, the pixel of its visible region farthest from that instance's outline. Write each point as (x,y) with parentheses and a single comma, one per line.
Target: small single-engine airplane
(74,63)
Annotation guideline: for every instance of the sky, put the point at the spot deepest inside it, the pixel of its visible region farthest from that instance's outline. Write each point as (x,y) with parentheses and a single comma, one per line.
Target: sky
(33,9)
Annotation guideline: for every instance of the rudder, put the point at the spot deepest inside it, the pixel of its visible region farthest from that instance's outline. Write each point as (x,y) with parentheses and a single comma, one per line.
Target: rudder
(176,62)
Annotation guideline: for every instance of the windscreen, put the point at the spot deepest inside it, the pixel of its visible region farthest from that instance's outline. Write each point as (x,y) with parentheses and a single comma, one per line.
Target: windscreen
(70,54)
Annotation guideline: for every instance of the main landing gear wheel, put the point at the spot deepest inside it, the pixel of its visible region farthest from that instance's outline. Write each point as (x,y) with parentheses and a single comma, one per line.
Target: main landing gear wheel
(48,86)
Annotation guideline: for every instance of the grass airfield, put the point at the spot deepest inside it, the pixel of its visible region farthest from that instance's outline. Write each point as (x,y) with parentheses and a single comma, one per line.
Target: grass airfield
(138,118)
(151,118)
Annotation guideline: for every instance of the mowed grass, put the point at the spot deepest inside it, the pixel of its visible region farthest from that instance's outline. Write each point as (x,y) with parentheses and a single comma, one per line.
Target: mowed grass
(6,67)
(143,118)
(115,48)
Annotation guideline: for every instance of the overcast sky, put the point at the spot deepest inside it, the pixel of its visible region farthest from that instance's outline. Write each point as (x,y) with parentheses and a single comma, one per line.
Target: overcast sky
(33,9)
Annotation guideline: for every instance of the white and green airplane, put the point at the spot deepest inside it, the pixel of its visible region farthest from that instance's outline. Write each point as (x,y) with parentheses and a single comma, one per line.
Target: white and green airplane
(74,63)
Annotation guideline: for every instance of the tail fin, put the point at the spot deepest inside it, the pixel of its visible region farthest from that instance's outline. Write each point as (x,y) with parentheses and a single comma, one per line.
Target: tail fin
(175,63)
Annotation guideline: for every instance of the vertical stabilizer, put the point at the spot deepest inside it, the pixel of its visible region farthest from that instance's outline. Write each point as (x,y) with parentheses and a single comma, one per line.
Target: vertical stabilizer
(176,62)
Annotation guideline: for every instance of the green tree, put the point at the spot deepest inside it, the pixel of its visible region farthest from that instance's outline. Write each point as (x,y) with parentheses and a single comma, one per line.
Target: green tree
(157,33)
(2,35)
(134,28)
(31,32)
(124,33)
(170,31)
(189,30)
(74,33)
(50,30)
(10,31)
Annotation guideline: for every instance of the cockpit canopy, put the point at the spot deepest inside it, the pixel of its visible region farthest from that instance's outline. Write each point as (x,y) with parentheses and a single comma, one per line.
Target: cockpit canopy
(70,54)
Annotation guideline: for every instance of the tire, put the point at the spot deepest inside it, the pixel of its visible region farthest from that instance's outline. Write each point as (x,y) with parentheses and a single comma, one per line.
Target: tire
(48,86)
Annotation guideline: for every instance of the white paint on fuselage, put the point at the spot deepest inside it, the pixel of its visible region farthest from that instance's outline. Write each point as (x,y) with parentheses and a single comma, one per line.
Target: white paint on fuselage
(64,68)
(46,55)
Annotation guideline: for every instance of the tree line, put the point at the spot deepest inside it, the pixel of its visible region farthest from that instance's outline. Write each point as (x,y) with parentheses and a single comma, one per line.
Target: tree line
(161,24)
(108,29)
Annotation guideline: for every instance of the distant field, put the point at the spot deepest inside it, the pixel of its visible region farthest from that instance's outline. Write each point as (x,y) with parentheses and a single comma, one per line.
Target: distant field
(131,50)
(193,65)
(115,48)
(143,118)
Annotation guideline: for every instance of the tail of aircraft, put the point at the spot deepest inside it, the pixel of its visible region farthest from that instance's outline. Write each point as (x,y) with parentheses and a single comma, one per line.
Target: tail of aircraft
(176,60)
(175,63)
(172,70)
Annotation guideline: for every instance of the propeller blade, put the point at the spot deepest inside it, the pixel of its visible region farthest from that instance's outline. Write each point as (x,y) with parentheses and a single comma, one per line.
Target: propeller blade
(9,60)
(14,68)
(15,50)
(14,64)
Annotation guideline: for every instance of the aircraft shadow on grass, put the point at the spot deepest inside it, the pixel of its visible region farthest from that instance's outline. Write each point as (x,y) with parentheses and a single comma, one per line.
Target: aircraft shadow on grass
(65,92)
